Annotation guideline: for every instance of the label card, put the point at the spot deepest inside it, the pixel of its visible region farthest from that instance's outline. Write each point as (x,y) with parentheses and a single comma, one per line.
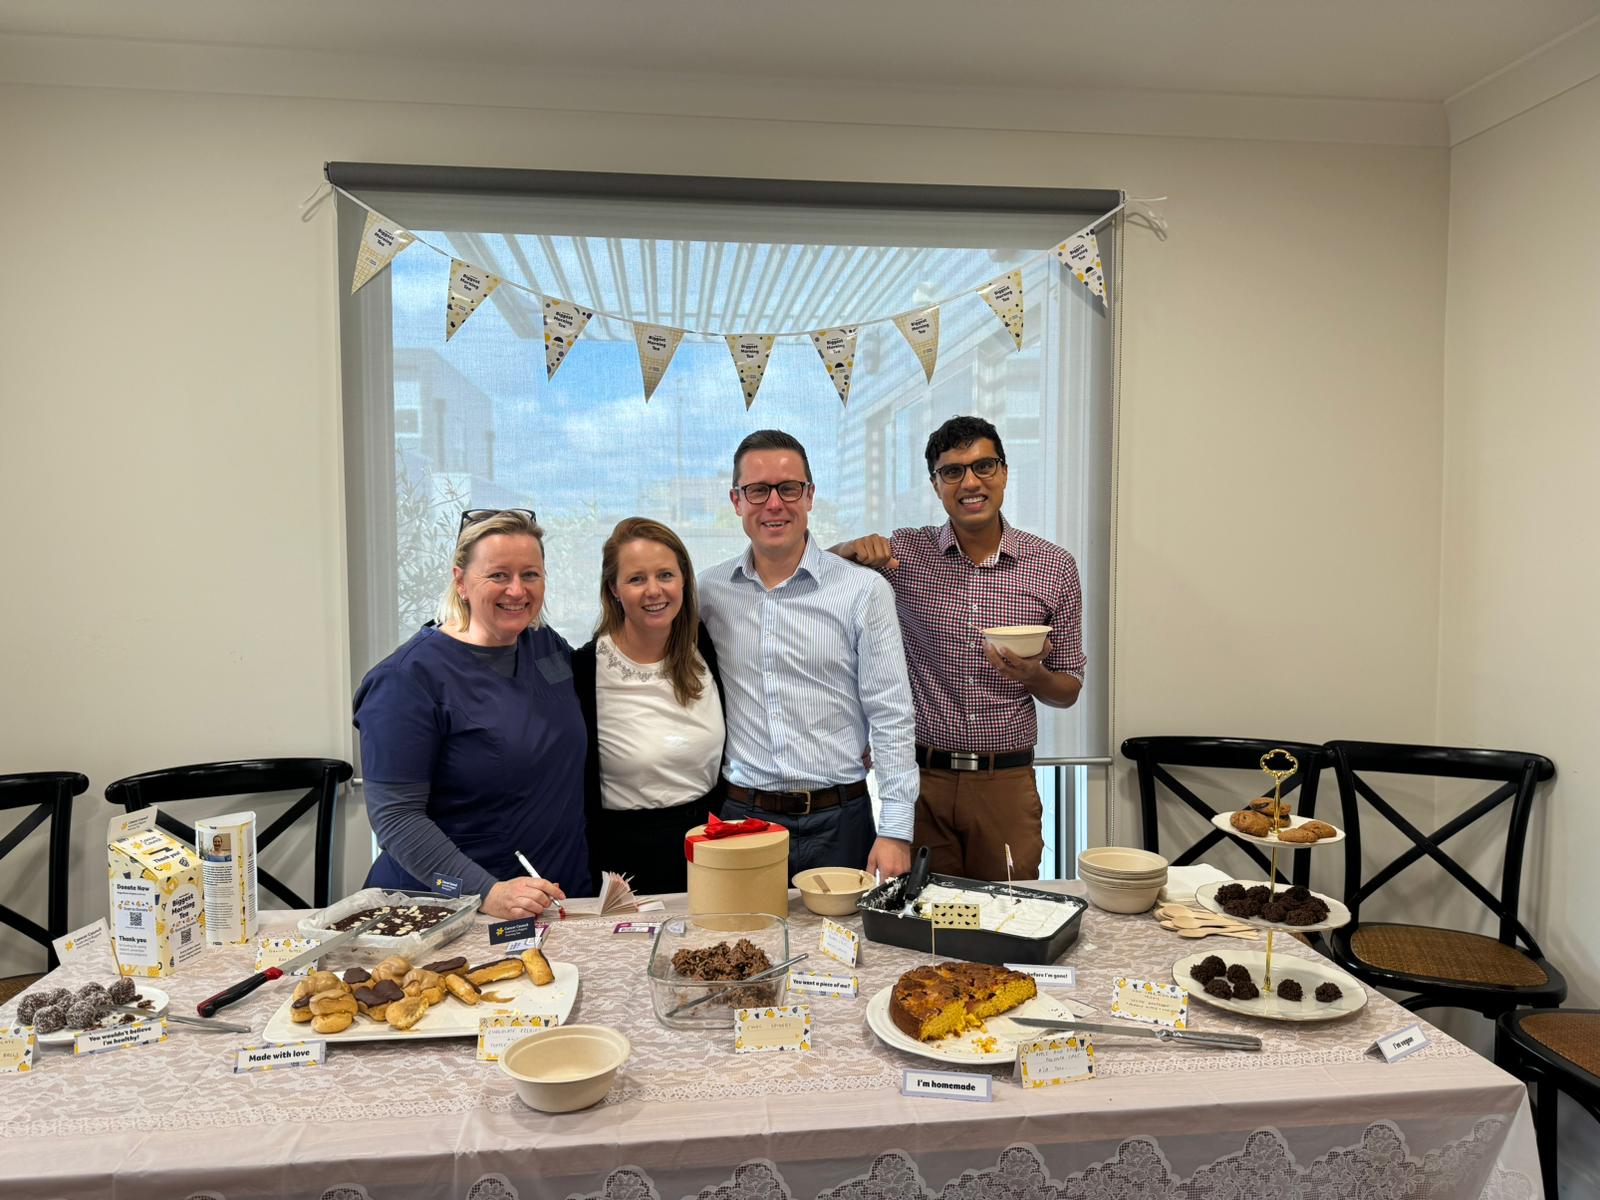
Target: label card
(760,1030)
(17,1046)
(1045,1062)
(954,916)
(947,1085)
(836,987)
(92,940)
(839,943)
(1065,978)
(502,932)
(447,885)
(276,1058)
(497,1032)
(1402,1042)
(275,950)
(646,927)
(1150,1003)
(120,1037)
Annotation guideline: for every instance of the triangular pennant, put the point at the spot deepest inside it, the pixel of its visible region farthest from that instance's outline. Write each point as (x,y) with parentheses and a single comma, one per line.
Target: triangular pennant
(921,330)
(657,344)
(750,352)
(1004,295)
(1080,254)
(563,322)
(469,287)
(838,350)
(380,241)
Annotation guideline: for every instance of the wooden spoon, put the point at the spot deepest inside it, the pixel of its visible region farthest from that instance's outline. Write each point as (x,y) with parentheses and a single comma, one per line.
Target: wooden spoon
(1210,931)
(822,883)
(1191,920)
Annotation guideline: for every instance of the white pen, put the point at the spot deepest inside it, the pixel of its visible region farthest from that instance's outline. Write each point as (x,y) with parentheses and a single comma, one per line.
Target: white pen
(532,874)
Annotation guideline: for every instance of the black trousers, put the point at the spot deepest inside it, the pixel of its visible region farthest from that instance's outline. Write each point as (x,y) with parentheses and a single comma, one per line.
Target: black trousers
(647,843)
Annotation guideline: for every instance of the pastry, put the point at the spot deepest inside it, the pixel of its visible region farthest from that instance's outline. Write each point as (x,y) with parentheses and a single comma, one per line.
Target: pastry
(505,968)
(949,998)
(357,975)
(374,1001)
(393,967)
(1252,823)
(332,1001)
(1321,828)
(420,982)
(336,1022)
(323,981)
(403,1014)
(1299,835)
(1290,989)
(302,991)
(538,967)
(300,1010)
(446,966)
(461,989)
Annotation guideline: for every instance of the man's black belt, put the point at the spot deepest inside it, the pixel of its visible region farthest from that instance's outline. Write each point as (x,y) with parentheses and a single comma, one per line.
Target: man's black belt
(961,760)
(798,803)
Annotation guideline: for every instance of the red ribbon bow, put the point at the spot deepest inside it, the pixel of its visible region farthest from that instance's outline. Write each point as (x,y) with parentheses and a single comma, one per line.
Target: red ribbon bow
(717,828)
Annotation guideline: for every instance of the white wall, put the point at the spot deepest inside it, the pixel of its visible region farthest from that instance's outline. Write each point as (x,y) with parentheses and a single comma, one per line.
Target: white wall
(1520,575)
(170,455)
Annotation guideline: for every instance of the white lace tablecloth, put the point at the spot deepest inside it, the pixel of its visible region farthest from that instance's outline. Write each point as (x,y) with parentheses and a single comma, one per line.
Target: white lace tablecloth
(1311,1117)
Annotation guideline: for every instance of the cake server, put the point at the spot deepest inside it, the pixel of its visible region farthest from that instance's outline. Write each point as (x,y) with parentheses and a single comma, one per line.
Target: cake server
(210,1026)
(738,983)
(209,1007)
(915,881)
(1188,1037)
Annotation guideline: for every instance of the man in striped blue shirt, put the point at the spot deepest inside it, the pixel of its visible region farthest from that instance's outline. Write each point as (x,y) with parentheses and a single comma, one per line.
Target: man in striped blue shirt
(813,674)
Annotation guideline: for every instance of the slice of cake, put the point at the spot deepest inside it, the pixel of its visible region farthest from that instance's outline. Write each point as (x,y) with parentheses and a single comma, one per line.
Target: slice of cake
(949,998)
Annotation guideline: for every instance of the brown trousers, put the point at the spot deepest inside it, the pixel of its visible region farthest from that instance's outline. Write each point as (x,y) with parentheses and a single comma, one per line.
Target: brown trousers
(966,819)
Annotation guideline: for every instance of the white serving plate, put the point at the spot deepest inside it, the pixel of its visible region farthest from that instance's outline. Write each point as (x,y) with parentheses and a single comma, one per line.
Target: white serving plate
(159,1001)
(1308,972)
(449,1019)
(964,1049)
(1221,822)
(1338,914)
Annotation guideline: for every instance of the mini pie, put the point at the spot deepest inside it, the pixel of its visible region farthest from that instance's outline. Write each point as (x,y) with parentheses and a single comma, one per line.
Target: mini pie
(538,967)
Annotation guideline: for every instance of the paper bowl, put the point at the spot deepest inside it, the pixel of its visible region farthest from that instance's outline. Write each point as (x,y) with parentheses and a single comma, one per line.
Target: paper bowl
(1122,899)
(846,885)
(1022,640)
(565,1068)
(1121,862)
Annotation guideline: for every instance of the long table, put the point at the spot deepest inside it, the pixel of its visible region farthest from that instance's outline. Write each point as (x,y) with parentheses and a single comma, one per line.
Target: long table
(1313,1116)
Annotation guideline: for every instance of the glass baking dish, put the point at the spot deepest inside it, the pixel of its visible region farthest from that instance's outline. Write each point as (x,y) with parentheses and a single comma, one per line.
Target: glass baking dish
(670,988)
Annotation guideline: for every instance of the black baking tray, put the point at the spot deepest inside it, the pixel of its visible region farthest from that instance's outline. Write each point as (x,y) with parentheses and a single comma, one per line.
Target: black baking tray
(881,922)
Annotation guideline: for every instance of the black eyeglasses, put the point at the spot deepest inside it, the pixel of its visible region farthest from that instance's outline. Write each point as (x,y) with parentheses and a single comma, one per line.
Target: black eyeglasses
(473,515)
(788,491)
(984,468)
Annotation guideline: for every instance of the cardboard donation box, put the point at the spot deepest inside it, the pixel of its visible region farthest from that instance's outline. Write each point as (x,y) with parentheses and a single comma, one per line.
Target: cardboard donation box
(738,872)
(157,911)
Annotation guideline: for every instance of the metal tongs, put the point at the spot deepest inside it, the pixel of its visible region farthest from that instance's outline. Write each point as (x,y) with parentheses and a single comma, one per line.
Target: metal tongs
(1187,1037)
(737,983)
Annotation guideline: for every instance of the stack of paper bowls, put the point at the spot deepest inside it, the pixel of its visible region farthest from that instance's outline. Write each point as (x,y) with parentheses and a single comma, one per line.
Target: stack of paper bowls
(1121,879)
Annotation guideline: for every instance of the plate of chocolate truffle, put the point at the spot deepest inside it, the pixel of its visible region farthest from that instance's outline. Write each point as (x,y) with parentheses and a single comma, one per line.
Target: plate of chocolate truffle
(60,1014)
(1303,989)
(1292,909)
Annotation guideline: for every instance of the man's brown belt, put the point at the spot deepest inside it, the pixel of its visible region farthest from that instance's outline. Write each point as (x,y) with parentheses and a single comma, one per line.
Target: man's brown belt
(798,803)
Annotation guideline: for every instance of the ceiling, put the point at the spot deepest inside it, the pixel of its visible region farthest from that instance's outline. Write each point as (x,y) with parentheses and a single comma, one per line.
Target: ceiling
(1396,50)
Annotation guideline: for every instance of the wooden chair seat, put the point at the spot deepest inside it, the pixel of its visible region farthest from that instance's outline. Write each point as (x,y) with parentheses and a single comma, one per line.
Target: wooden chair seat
(1447,955)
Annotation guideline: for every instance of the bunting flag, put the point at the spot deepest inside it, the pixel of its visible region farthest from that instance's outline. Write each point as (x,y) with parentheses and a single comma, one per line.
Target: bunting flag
(380,242)
(750,352)
(1080,254)
(470,286)
(838,350)
(657,344)
(921,331)
(563,322)
(1004,295)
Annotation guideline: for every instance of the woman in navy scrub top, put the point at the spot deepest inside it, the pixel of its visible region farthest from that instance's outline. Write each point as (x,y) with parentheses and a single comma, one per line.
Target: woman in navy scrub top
(472,742)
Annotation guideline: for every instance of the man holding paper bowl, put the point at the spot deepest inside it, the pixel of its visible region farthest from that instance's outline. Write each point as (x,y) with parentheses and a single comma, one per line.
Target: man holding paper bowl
(991,618)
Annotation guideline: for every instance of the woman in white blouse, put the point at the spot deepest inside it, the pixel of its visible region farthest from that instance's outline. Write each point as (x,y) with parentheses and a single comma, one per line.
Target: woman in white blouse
(649,691)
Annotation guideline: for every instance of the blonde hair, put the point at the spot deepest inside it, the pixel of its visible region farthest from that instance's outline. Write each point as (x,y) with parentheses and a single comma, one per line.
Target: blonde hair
(683,665)
(453,611)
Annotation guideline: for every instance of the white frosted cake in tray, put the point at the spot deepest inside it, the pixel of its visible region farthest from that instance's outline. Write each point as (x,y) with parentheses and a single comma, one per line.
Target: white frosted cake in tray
(1022,916)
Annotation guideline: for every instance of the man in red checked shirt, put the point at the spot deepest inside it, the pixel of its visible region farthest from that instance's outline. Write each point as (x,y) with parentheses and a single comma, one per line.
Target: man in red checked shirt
(976,724)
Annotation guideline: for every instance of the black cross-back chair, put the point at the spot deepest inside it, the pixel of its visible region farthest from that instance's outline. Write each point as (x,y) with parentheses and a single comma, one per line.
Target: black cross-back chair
(320,777)
(49,794)
(1554,1049)
(1444,968)
(1154,755)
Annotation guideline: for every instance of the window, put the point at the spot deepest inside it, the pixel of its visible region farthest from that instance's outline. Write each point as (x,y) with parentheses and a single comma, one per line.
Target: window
(433,427)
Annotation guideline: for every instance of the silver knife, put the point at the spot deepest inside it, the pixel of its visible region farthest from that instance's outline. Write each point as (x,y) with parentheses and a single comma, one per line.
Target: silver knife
(209,1006)
(1191,1037)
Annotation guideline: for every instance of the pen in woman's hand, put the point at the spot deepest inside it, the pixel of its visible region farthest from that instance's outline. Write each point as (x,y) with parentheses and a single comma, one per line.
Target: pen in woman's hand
(532,874)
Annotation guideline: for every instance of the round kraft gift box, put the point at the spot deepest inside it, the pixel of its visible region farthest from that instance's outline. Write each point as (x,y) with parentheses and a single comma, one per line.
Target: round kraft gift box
(747,873)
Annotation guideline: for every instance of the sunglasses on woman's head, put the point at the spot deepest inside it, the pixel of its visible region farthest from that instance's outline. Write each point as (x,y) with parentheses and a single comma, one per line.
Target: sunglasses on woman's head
(473,515)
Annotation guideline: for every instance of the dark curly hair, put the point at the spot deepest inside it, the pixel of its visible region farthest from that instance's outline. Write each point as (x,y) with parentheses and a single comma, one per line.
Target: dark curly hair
(958,432)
